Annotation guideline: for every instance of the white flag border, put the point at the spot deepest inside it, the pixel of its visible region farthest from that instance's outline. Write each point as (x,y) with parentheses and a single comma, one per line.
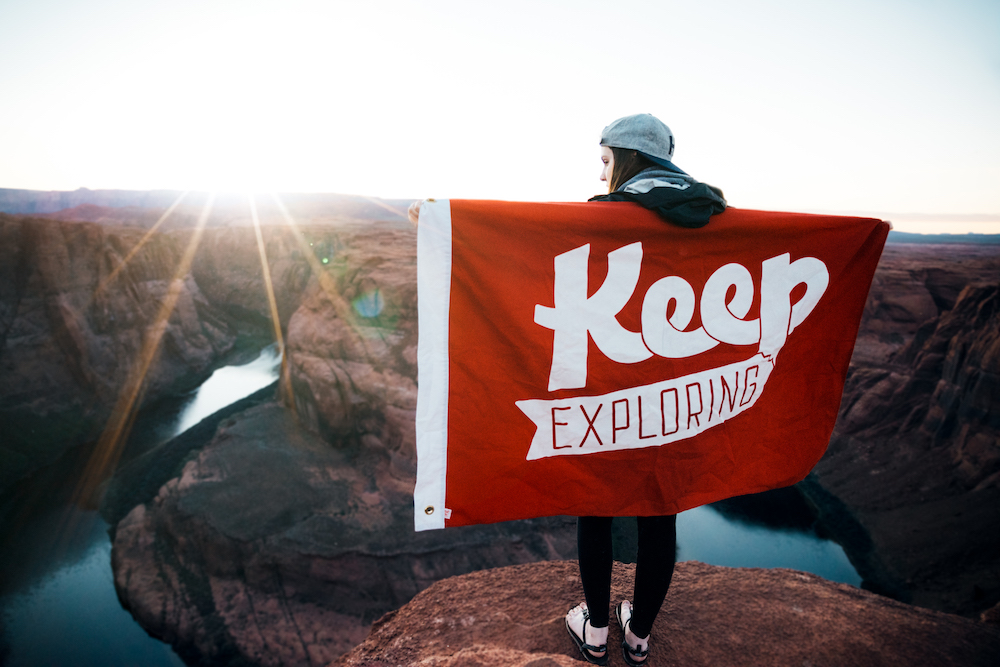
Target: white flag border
(433,313)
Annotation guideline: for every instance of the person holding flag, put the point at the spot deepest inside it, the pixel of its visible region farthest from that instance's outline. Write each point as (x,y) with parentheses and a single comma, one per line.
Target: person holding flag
(629,365)
(637,152)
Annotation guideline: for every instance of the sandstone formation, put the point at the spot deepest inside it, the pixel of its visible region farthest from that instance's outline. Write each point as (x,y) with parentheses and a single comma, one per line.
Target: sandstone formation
(352,346)
(282,540)
(712,616)
(915,456)
(274,548)
(72,329)
(285,538)
(138,479)
(227,269)
(66,347)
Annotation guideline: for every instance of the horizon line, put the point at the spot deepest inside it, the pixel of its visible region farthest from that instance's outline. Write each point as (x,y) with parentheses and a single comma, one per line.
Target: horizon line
(914,217)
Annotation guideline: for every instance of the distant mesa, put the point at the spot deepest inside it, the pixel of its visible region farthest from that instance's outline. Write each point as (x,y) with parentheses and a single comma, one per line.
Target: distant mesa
(106,215)
(50,201)
(137,208)
(971,237)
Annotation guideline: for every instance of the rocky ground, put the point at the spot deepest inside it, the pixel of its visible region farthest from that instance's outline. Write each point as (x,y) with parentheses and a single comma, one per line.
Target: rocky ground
(713,616)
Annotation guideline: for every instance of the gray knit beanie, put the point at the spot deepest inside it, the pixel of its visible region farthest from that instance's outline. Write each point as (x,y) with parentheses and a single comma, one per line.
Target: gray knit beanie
(642,132)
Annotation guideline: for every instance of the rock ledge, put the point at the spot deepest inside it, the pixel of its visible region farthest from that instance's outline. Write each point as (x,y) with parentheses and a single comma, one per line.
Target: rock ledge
(713,616)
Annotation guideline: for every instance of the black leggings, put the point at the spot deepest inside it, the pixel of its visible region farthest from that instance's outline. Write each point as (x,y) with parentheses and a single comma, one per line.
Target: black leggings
(653,571)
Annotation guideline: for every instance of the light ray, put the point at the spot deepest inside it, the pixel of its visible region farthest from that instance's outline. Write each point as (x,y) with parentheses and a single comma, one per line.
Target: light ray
(138,246)
(326,283)
(286,378)
(109,444)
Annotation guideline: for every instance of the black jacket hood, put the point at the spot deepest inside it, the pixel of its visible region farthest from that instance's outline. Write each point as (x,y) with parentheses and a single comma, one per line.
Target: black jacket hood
(675,196)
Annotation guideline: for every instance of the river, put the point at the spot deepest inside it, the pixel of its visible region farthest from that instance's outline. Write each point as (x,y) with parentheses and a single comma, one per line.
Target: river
(58,604)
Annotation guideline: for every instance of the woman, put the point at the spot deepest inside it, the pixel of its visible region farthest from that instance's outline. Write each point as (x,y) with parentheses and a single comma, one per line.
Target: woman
(637,153)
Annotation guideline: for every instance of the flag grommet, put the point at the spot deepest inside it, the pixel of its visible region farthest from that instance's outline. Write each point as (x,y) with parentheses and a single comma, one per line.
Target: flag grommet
(429,509)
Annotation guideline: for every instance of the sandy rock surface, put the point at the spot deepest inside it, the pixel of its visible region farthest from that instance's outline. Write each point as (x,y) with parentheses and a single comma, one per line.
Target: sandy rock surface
(712,616)
(352,345)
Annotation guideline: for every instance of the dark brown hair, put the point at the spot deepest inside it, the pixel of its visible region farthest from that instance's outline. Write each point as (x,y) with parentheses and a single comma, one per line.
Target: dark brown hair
(628,163)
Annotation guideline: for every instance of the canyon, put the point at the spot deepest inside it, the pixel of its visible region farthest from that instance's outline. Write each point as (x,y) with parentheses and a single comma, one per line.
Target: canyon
(915,455)
(284,532)
(73,324)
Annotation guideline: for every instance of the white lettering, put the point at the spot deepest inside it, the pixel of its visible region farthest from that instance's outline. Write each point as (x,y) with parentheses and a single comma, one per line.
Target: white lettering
(574,315)
(778,279)
(667,338)
(724,321)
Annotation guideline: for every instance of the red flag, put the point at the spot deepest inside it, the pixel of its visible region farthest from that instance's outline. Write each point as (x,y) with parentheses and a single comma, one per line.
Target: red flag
(590,359)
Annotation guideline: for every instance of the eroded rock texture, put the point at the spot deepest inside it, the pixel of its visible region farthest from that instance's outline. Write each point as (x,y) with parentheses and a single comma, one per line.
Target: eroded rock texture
(293,530)
(74,316)
(276,548)
(916,452)
(227,269)
(712,616)
(352,345)
(67,347)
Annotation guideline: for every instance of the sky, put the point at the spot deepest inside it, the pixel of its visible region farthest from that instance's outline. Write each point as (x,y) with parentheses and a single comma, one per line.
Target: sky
(875,107)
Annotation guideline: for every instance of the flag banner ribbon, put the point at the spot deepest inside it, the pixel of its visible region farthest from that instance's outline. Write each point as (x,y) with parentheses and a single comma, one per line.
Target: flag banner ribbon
(591,359)
(674,410)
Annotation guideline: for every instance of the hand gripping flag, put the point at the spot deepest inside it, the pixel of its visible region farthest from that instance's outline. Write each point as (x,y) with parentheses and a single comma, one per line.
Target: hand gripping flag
(590,359)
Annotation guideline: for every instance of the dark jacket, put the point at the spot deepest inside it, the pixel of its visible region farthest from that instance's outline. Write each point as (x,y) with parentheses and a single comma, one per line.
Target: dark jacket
(674,195)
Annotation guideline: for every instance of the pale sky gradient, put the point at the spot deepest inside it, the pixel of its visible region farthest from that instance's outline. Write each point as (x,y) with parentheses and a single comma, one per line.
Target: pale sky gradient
(879,107)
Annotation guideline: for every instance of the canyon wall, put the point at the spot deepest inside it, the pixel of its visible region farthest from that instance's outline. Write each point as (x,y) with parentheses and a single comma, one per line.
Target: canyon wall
(915,455)
(73,326)
(67,347)
(285,538)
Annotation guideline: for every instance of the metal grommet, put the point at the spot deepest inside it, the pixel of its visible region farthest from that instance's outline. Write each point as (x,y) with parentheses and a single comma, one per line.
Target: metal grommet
(429,509)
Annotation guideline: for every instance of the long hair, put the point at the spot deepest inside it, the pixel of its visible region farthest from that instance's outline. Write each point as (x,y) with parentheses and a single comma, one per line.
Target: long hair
(628,163)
